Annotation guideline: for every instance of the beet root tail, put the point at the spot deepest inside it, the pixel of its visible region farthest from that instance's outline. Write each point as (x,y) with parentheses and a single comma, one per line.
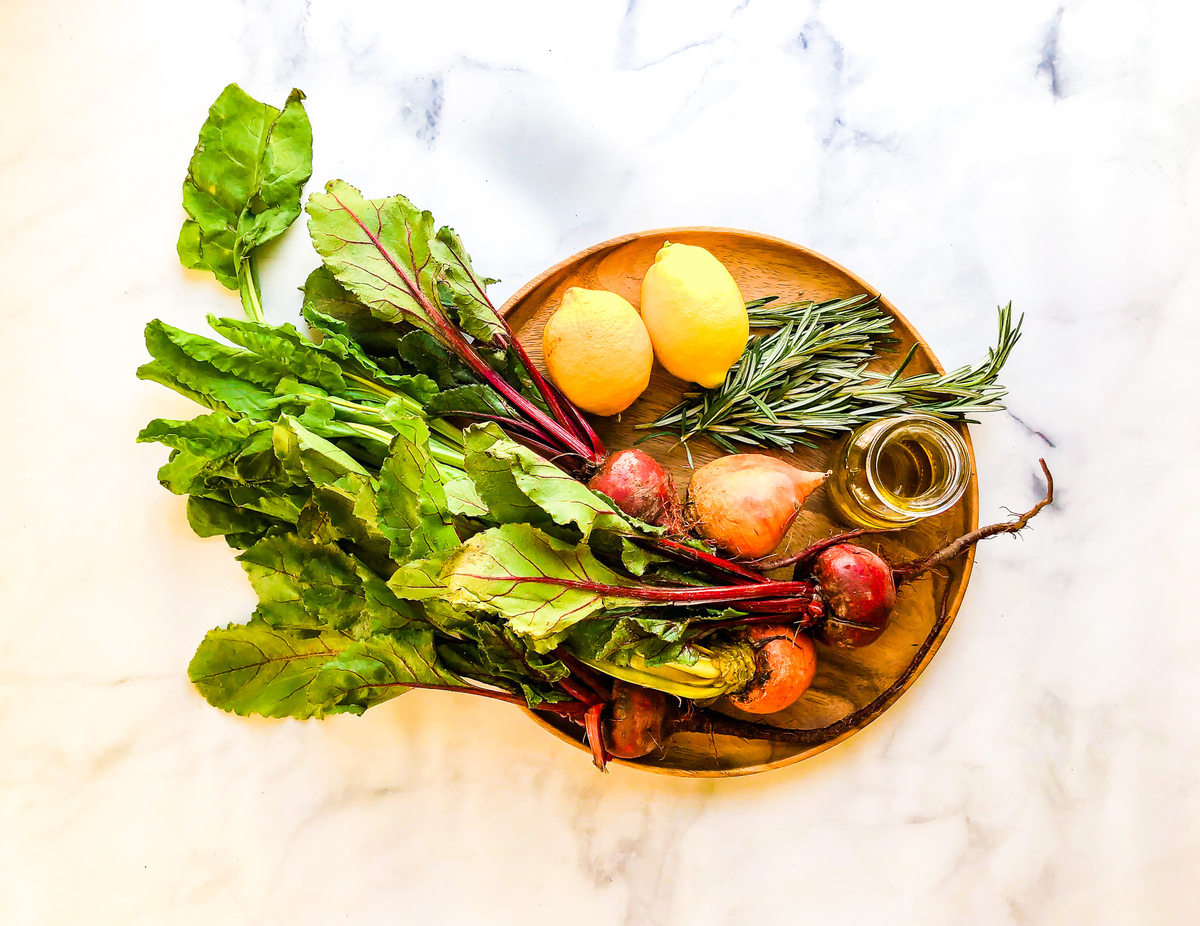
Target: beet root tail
(907,572)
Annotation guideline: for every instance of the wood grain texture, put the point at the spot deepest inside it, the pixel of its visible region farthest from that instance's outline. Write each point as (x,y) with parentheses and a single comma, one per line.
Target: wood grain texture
(845,680)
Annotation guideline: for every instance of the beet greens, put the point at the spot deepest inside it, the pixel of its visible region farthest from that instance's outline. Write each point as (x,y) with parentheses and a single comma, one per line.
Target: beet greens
(386,253)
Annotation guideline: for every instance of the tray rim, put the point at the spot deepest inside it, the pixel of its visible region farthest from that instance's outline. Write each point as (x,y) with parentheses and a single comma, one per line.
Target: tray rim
(970,497)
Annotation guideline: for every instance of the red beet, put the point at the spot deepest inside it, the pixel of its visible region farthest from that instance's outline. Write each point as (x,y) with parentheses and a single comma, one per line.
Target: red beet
(635,720)
(859,594)
(639,487)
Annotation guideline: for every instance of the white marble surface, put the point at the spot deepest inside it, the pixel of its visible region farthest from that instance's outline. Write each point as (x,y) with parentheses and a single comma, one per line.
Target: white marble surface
(1044,769)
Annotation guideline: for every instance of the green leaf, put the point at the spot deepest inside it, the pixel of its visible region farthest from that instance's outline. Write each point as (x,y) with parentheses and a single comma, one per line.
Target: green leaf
(465,290)
(307,456)
(496,571)
(467,400)
(421,352)
(349,347)
(605,639)
(285,347)
(302,584)
(329,305)
(244,181)
(208,517)
(493,654)
(230,459)
(378,669)
(363,344)
(412,507)
(257,669)
(519,486)
(286,169)
(640,632)
(211,436)
(223,378)
(379,250)
(463,499)
(305,583)
(494,480)
(343,492)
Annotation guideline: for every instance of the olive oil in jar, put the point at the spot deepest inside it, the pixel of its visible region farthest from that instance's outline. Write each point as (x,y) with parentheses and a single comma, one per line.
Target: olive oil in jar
(895,471)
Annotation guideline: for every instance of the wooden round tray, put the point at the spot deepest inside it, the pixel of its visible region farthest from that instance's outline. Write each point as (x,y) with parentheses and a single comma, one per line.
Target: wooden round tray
(845,680)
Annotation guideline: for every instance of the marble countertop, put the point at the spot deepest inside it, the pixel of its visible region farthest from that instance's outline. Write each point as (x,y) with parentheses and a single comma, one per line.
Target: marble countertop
(1042,770)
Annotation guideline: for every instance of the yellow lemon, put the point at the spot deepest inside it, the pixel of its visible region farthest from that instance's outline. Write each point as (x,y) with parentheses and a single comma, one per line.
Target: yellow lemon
(597,350)
(695,314)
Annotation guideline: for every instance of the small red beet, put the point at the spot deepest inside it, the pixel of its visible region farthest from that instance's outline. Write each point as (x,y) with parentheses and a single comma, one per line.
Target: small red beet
(639,487)
(860,592)
(635,719)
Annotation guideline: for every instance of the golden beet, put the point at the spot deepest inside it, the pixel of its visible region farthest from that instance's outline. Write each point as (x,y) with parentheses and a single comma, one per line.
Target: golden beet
(746,502)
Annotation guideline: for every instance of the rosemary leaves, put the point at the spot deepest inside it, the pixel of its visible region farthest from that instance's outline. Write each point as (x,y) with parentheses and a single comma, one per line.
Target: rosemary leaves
(809,379)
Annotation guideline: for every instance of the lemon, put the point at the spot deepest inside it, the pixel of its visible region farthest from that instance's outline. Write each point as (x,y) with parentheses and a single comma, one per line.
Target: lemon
(695,314)
(597,350)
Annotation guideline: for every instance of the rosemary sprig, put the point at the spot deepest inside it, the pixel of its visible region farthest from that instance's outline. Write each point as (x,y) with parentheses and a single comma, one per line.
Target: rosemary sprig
(809,379)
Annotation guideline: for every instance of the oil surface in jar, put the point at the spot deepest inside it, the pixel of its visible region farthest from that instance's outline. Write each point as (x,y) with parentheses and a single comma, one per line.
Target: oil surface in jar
(908,468)
(912,465)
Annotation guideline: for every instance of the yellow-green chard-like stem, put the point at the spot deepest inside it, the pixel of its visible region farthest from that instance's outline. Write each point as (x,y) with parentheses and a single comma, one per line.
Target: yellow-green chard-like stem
(719,671)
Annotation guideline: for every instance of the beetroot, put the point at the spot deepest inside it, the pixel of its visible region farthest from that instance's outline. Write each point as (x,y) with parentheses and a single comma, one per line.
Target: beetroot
(859,594)
(639,487)
(785,661)
(746,502)
(858,587)
(635,721)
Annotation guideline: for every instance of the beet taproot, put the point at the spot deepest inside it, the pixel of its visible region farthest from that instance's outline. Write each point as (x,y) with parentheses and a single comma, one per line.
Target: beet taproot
(859,593)
(785,661)
(640,487)
(746,502)
(634,723)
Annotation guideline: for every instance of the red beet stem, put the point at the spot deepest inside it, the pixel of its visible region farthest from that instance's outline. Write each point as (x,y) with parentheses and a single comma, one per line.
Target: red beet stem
(767,617)
(813,549)
(710,723)
(581,422)
(585,674)
(711,562)
(557,433)
(577,691)
(681,594)
(561,408)
(595,735)
(797,604)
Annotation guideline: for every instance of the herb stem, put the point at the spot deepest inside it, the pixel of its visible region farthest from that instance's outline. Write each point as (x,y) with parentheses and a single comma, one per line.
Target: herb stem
(810,380)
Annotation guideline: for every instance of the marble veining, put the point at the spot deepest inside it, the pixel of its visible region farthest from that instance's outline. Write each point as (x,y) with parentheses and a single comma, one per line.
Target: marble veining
(957,156)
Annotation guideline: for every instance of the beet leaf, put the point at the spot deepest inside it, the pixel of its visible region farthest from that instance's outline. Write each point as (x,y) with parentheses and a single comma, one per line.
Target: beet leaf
(497,572)
(243,187)
(386,253)
(256,669)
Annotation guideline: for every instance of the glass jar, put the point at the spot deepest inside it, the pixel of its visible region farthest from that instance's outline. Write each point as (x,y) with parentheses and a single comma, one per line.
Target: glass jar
(896,471)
